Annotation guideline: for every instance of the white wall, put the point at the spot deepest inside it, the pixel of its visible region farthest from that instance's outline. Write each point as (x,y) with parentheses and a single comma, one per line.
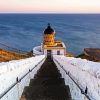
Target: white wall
(12,70)
(37,50)
(85,73)
(74,90)
(54,52)
(45,52)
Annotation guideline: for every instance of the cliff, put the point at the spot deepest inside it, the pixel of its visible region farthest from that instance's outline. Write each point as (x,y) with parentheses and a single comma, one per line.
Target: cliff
(92,54)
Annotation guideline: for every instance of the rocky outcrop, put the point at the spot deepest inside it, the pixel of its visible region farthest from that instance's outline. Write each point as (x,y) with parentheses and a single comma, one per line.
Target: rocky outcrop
(92,54)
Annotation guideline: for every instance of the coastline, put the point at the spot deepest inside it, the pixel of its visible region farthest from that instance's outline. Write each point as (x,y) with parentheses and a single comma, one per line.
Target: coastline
(6,55)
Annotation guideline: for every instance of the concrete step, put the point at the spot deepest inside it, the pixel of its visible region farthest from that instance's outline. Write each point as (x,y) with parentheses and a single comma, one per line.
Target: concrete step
(37,92)
(47,81)
(47,84)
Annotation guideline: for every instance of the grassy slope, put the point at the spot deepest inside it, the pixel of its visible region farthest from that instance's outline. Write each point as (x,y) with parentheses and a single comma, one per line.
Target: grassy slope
(8,55)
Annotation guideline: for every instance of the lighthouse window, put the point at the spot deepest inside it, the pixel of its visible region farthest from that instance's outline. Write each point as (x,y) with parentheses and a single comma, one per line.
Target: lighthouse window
(58,52)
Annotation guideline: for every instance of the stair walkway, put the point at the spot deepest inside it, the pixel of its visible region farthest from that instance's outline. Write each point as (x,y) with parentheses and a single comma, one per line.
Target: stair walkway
(47,84)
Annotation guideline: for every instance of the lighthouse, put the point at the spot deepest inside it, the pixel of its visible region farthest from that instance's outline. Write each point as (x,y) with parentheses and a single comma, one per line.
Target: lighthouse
(49,36)
(50,45)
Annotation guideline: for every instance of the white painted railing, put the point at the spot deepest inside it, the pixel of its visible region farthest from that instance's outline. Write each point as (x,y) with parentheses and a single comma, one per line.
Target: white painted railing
(77,92)
(18,75)
(37,50)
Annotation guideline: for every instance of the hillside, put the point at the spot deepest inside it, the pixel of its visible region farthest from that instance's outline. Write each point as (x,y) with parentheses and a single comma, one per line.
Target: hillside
(8,55)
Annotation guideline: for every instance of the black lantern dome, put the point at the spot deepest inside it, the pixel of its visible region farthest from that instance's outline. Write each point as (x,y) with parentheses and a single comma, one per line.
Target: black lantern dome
(48,30)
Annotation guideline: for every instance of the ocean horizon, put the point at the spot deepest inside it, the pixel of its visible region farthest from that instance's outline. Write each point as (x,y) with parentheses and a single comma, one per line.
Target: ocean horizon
(25,31)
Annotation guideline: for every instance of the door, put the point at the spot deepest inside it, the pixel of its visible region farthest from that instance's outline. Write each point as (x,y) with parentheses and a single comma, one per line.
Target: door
(48,53)
(58,52)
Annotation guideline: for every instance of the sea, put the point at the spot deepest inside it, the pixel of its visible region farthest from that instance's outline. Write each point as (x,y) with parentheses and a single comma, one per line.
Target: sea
(25,31)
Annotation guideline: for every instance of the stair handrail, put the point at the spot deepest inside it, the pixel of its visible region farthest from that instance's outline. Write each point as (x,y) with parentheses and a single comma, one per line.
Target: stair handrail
(18,80)
(82,91)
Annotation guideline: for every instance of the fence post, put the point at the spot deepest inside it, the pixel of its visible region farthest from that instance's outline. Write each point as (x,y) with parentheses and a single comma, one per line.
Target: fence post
(29,74)
(17,81)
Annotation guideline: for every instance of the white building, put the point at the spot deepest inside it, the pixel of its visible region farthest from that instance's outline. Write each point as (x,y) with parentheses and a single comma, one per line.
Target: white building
(50,45)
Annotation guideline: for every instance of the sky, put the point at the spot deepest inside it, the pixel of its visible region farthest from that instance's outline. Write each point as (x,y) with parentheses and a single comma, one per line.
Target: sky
(49,6)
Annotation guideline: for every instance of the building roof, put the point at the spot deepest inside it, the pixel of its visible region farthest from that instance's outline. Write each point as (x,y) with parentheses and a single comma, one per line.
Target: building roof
(48,30)
(93,52)
(58,45)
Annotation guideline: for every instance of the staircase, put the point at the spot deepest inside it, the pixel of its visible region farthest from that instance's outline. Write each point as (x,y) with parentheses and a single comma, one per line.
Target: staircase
(47,84)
